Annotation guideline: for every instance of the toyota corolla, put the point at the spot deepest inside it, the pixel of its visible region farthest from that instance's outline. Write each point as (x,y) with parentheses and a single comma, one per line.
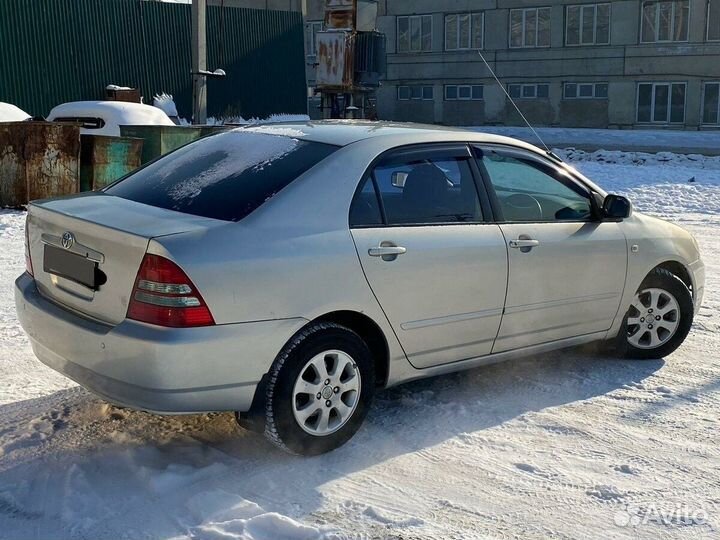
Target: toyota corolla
(288,272)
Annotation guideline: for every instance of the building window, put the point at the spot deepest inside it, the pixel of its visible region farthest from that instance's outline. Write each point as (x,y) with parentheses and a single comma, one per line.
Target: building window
(587,25)
(529,90)
(463,92)
(585,90)
(311,30)
(665,21)
(414,33)
(464,31)
(530,27)
(711,103)
(415,92)
(661,103)
(713,20)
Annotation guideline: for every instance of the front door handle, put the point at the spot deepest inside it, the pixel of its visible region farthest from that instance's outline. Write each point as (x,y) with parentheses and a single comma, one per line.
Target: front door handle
(524,244)
(387,250)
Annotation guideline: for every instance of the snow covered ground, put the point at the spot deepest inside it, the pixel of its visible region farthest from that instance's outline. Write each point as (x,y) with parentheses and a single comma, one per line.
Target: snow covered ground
(646,140)
(567,445)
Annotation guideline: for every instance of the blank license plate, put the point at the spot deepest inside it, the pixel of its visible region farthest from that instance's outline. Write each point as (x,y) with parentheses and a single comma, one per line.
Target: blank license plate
(68,265)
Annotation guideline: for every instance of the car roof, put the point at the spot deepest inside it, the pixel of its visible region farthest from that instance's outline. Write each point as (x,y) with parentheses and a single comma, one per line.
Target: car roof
(344,132)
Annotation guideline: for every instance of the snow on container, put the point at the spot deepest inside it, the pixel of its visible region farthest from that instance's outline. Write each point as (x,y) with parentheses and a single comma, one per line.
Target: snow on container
(106,117)
(105,159)
(38,160)
(11,113)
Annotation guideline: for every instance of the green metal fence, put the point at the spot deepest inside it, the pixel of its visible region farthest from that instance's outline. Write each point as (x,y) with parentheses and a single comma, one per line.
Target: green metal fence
(53,51)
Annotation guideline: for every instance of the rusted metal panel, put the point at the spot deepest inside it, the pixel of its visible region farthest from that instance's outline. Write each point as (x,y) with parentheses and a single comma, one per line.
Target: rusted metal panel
(340,14)
(13,188)
(38,160)
(335,60)
(358,15)
(52,159)
(105,159)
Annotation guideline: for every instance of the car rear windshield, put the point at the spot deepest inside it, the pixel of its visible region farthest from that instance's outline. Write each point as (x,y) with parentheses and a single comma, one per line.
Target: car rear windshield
(225,176)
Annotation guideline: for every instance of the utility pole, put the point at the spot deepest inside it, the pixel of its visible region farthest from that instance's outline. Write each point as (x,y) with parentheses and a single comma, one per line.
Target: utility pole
(199,61)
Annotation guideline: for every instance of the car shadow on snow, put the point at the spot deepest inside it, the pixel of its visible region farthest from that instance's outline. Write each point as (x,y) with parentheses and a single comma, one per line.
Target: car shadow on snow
(72,465)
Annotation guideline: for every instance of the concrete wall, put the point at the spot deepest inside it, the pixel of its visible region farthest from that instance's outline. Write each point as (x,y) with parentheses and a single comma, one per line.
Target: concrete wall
(623,63)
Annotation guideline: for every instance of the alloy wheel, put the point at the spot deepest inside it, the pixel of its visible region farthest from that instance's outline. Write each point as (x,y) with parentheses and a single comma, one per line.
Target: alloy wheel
(326,392)
(653,318)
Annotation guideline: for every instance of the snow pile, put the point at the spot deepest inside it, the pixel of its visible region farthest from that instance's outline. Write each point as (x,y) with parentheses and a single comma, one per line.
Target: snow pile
(272,119)
(11,113)
(664,184)
(166,103)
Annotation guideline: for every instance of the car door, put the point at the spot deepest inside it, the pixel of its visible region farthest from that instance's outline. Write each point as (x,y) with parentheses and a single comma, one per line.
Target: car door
(436,264)
(566,267)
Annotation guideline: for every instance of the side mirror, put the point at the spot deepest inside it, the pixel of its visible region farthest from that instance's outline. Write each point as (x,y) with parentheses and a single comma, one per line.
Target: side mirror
(616,207)
(398,179)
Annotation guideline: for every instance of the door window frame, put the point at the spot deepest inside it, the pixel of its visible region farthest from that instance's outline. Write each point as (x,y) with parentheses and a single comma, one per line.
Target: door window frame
(559,174)
(430,151)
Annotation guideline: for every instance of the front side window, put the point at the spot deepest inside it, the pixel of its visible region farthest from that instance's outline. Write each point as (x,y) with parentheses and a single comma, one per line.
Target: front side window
(530,27)
(585,90)
(711,103)
(414,33)
(419,191)
(531,192)
(661,103)
(587,24)
(225,176)
(529,90)
(665,21)
(463,31)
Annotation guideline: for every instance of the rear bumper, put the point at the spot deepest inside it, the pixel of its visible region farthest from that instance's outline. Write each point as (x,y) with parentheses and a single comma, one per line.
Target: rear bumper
(163,370)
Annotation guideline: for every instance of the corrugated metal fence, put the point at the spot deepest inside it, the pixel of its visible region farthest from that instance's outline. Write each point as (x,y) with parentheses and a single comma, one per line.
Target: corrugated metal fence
(53,51)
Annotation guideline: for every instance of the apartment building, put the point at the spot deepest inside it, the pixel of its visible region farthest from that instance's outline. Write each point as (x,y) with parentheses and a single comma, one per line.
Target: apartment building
(574,63)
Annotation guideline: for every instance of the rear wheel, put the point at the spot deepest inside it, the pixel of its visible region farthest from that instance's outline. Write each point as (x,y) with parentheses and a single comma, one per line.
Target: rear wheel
(319,390)
(659,317)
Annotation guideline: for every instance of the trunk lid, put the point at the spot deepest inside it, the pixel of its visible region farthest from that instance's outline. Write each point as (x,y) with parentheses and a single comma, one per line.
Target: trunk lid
(109,231)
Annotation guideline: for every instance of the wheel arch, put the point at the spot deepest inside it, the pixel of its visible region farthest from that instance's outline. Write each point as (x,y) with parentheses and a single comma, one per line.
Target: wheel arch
(372,335)
(678,269)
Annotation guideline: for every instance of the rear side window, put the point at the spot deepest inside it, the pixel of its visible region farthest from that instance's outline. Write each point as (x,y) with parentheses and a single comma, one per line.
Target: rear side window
(431,190)
(226,176)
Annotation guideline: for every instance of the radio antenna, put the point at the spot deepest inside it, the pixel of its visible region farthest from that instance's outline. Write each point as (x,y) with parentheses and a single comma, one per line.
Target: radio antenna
(502,87)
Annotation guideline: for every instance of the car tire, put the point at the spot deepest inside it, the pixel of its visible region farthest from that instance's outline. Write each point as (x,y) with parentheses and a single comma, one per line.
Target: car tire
(305,415)
(650,332)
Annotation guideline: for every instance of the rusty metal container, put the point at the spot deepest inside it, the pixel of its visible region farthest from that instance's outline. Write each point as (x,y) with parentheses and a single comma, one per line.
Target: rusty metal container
(105,159)
(38,160)
(159,140)
(131,95)
(356,15)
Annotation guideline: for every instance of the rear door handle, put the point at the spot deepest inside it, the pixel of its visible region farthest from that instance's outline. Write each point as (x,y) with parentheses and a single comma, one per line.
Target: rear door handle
(524,244)
(386,251)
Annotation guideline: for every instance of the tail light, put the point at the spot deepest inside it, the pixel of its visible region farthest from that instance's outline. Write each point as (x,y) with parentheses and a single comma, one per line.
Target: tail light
(28,260)
(164,295)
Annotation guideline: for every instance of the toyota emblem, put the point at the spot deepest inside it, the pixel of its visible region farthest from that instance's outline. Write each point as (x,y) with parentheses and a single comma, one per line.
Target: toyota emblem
(67,240)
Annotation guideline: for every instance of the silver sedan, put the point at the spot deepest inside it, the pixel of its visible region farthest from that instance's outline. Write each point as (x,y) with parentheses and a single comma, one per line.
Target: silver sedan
(287,272)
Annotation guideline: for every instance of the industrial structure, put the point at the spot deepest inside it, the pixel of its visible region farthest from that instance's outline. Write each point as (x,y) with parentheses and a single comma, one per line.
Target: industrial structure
(619,64)
(349,58)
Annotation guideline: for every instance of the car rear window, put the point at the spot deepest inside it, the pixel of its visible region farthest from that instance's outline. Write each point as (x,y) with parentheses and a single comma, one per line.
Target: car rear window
(225,176)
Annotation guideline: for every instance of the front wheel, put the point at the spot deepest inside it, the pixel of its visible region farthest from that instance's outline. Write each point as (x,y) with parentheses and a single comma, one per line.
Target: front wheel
(319,391)
(659,317)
